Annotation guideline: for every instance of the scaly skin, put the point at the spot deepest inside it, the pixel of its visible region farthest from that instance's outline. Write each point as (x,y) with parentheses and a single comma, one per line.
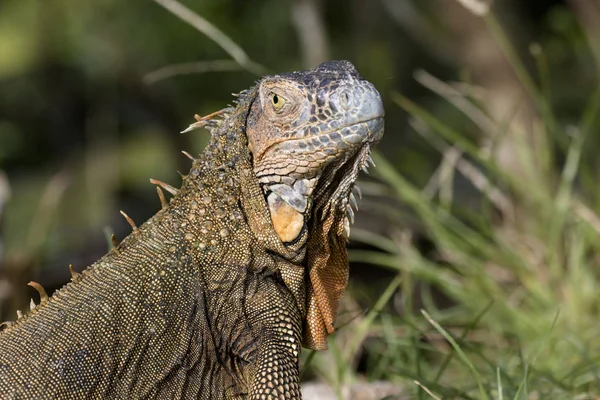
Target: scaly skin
(213,296)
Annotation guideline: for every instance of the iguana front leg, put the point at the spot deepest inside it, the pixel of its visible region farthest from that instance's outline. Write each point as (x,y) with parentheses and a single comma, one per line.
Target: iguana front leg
(276,371)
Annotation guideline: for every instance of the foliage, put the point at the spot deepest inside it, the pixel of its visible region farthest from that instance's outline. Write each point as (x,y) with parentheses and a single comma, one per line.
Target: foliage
(487,272)
(520,269)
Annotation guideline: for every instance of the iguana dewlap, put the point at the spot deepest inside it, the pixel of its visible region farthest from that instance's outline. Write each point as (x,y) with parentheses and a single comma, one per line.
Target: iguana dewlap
(214,296)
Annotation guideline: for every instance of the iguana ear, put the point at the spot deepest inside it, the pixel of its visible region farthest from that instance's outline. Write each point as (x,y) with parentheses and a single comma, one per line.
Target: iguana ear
(328,276)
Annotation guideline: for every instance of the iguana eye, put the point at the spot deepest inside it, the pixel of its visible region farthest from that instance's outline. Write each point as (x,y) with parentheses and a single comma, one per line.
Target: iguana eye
(277,101)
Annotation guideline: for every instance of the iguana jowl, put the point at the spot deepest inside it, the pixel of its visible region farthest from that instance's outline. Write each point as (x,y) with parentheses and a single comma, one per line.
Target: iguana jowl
(214,296)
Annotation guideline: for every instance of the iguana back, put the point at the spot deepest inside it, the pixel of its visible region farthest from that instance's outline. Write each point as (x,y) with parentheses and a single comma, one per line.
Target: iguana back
(214,296)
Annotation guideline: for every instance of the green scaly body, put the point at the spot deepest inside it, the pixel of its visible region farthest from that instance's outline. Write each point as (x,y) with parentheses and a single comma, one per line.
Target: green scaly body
(205,300)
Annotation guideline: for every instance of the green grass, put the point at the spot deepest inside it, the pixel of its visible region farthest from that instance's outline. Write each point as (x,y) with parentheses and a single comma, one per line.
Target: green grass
(521,269)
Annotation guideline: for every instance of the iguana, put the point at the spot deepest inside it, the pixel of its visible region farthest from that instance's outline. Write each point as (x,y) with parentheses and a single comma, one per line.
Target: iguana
(214,296)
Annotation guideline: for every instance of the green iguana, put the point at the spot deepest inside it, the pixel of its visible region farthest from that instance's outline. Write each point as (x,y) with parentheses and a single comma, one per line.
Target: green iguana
(214,296)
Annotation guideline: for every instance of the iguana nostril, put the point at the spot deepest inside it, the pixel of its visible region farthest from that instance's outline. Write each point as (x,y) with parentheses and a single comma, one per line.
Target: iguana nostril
(371,104)
(344,100)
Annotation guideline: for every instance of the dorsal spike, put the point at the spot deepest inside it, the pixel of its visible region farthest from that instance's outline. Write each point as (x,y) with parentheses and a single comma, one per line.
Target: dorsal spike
(195,125)
(114,241)
(75,274)
(201,122)
(188,155)
(370,160)
(41,291)
(6,324)
(131,223)
(350,213)
(358,191)
(19,314)
(352,200)
(165,186)
(161,196)
(31,305)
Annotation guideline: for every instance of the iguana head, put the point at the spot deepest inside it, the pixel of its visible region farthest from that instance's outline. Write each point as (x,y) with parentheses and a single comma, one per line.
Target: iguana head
(310,133)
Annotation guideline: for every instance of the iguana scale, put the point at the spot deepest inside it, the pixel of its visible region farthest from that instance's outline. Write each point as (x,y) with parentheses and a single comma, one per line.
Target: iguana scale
(214,296)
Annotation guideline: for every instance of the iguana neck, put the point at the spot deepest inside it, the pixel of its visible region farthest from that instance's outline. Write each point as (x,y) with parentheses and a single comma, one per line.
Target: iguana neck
(221,195)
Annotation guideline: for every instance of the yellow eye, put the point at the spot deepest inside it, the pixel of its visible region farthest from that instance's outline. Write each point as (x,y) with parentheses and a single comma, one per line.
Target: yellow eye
(277,101)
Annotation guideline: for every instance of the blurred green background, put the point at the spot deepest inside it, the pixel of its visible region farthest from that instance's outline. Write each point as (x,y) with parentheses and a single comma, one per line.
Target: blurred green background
(482,210)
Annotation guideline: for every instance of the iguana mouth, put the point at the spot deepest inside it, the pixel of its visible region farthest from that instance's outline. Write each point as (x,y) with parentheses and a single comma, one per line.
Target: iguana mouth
(337,148)
(334,138)
(328,189)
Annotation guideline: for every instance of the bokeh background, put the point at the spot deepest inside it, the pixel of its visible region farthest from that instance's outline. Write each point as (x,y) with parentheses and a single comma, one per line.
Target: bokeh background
(482,211)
